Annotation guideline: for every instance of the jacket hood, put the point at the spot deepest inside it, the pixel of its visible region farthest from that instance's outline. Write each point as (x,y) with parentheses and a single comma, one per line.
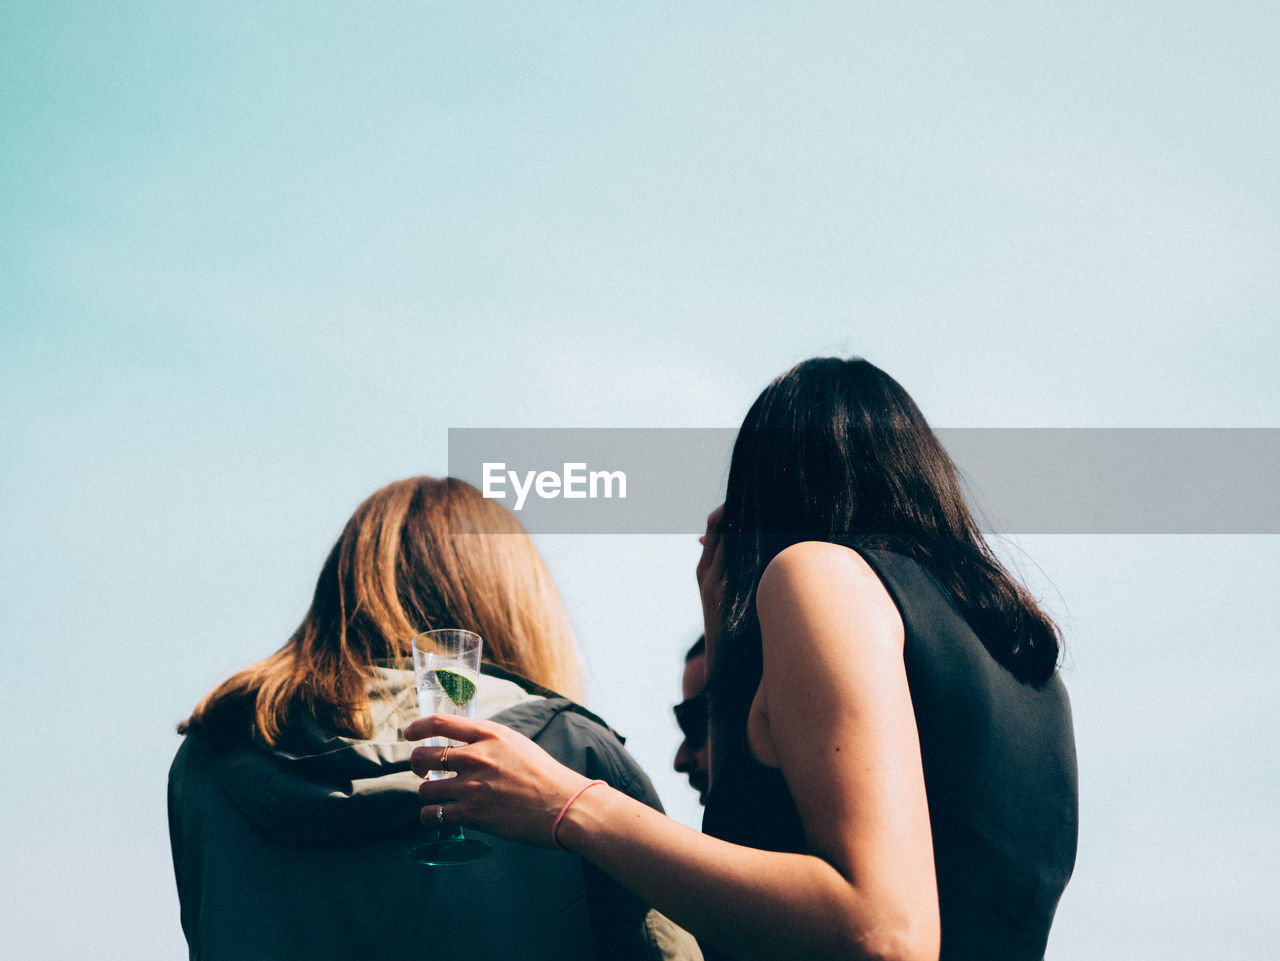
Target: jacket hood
(317,787)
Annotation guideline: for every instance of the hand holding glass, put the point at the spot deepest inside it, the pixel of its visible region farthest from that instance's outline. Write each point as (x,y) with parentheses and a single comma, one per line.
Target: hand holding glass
(446,666)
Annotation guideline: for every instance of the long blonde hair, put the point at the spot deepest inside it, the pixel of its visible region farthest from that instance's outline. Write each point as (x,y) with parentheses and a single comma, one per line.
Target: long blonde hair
(417,555)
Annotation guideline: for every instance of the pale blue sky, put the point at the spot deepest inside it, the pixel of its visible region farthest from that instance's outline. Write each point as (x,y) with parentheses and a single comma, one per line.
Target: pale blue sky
(256,259)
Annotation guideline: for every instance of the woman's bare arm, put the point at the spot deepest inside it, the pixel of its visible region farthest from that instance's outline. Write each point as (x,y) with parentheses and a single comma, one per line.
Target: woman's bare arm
(835,714)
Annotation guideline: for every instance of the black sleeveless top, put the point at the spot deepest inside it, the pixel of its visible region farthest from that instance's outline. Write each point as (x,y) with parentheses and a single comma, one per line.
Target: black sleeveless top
(999,770)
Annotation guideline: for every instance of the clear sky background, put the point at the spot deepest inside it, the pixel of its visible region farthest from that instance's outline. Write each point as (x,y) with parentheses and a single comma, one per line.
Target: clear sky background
(255,259)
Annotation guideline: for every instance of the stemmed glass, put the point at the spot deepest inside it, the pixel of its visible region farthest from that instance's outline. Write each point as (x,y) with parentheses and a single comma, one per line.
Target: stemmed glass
(446,667)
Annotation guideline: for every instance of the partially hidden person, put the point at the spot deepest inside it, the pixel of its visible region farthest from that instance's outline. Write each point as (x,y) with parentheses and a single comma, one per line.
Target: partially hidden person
(691,716)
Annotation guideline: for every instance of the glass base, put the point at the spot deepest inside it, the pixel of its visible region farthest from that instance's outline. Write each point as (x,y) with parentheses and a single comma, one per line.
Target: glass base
(450,851)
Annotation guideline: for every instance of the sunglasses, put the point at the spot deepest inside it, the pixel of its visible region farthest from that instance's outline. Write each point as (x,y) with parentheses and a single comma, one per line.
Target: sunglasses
(691,715)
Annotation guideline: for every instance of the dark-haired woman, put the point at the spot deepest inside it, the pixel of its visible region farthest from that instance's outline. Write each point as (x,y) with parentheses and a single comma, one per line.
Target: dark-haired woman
(893,767)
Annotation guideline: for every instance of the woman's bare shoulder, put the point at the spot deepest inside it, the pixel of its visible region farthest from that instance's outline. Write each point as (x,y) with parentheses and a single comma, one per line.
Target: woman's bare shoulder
(826,581)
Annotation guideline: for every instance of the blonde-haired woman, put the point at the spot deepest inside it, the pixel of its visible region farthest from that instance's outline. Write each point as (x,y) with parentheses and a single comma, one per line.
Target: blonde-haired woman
(291,804)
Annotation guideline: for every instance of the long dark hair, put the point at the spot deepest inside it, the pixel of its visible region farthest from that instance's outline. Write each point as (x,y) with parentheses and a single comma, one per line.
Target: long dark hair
(836,450)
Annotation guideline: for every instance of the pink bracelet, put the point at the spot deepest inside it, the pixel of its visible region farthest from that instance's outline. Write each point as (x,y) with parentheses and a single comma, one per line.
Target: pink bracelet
(555,825)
